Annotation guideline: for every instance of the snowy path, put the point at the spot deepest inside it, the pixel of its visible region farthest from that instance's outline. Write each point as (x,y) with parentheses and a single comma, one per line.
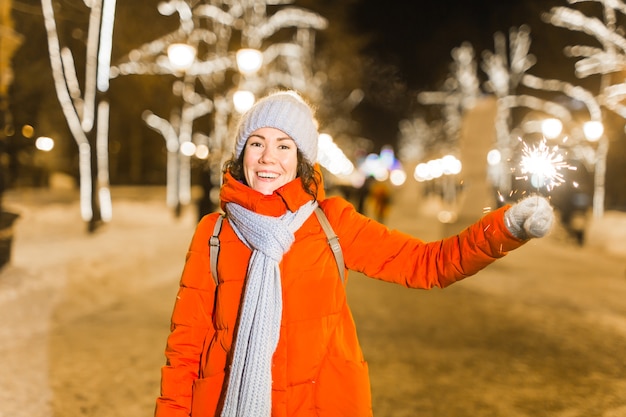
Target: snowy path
(540,333)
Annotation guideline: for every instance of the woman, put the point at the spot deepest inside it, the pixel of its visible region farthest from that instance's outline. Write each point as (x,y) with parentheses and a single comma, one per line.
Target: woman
(275,335)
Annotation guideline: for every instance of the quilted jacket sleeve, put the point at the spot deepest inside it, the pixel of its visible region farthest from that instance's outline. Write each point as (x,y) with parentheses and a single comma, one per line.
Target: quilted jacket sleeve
(191,324)
(390,255)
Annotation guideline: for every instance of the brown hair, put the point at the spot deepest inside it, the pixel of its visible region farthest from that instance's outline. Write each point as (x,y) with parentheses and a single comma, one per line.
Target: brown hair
(310,177)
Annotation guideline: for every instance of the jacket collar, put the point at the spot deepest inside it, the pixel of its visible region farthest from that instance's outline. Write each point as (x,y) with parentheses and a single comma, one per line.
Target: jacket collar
(288,197)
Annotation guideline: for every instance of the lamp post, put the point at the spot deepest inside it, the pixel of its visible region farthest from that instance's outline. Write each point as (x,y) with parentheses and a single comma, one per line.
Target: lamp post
(249,61)
(243,100)
(551,128)
(594,133)
(181,57)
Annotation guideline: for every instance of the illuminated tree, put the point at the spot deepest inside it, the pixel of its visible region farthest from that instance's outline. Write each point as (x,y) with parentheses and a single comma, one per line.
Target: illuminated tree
(209,30)
(459,92)
(86,109)
(410,147)
(605,60)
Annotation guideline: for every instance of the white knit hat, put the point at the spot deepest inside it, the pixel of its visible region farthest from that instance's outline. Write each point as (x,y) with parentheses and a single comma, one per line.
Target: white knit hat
(286,111)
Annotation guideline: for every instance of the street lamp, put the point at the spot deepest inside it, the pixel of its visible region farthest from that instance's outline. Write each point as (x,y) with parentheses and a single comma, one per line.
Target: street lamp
(243,100)
(181,56)
(44,143)
(593,130)
(249,61)
(551,128)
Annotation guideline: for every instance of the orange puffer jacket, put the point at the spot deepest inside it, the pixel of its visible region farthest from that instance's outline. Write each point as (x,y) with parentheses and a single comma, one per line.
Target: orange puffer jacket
(318,367)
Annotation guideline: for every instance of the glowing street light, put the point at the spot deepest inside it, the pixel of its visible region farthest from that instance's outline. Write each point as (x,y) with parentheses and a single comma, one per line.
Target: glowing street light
(187,148)
(593,130)
(551,128)
(451,165)
(243,100)
(494,157)
(397,176)
(181,55)
(249,61)
(44,143)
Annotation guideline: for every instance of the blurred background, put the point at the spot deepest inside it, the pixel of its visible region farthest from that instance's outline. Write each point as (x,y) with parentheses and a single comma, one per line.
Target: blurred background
(97,94)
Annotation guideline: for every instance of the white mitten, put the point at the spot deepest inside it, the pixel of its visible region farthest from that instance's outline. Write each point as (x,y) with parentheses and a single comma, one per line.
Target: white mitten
(530,217)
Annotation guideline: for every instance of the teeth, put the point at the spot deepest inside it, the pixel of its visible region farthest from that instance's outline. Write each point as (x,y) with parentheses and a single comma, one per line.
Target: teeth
(267,175)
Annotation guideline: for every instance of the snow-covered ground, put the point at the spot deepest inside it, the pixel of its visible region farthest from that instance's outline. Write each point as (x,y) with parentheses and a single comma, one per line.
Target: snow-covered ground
(608,233)
(56,263)
(52,252)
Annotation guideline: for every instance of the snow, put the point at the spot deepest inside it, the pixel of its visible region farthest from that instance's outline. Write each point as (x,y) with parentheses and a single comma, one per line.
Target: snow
(55,262)
(52,249)
(145,240)
(608,233)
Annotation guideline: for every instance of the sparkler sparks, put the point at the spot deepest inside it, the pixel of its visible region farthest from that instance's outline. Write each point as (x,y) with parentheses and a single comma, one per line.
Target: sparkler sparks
(542,164)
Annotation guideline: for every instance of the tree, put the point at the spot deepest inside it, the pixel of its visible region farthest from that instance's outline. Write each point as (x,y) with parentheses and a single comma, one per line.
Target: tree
(86,109)
(213,33)
(606,62)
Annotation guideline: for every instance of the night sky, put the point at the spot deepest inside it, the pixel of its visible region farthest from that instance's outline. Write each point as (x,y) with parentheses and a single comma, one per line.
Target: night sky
(417,38)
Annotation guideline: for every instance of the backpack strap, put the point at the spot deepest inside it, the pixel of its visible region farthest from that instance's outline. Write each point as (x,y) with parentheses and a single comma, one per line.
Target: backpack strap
(214,246)
(333,241)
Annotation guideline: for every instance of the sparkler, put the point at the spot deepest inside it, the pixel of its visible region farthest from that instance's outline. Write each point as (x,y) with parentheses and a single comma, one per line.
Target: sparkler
(542,164)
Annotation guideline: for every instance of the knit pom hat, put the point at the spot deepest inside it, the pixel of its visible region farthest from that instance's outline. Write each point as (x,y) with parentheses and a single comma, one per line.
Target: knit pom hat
(286,111)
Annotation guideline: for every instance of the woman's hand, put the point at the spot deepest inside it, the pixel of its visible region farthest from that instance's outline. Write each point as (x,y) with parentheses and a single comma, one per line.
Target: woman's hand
(529,218)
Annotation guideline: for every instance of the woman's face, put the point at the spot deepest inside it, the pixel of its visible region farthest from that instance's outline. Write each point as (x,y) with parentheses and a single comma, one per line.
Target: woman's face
(270,160)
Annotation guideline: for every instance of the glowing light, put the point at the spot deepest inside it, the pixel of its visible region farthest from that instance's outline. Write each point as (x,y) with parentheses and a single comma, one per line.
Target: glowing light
(44,143)
(202,151)
(331,157)
(422,173)
(494,157)
(187,148)
(436,167)
(106,36)
(28,131)
(446,216)
(249,61)
(181,55)
(373,166)
(243,100)
(102,156)
(451,165)
(397,177)
(542,165)
(387,156)
(551,128)
(593,130)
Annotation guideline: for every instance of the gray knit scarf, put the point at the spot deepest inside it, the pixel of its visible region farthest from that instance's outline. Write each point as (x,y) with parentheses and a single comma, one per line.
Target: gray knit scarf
(249,389)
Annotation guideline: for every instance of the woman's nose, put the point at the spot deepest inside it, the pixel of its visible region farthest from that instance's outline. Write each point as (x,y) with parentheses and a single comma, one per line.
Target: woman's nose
(267,156)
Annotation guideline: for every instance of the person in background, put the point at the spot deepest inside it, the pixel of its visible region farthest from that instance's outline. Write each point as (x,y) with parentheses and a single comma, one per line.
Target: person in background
(272,334)
(364,193)
(381,201)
